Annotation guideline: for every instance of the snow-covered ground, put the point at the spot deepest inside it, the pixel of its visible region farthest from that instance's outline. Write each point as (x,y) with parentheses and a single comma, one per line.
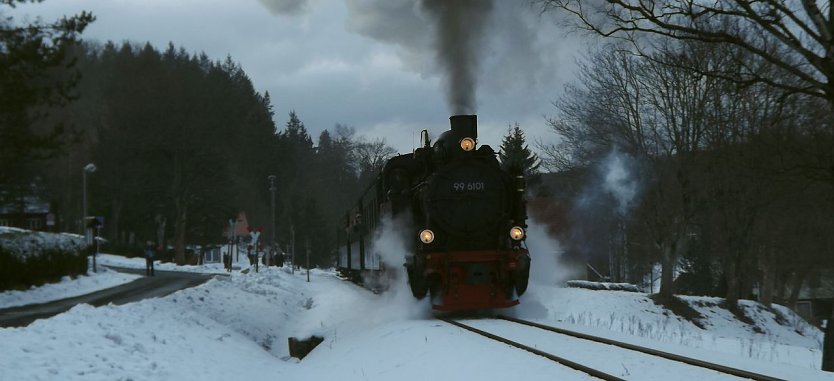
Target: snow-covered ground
(786,339)
(237,328)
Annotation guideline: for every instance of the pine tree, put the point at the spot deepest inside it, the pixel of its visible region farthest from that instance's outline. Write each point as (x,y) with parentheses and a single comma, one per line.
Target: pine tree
(36,73)
(516,157)
(296,133)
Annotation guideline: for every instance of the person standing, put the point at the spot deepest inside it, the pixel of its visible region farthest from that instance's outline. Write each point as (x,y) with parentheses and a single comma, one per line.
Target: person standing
(149,256)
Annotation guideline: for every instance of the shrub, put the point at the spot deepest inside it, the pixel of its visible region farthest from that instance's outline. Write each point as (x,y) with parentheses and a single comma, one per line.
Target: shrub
(33,258)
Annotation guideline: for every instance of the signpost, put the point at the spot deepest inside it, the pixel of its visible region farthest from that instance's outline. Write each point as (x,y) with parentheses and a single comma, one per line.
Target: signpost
(96,223)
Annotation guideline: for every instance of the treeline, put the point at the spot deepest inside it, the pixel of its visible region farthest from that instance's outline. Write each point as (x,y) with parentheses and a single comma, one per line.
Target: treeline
(726,184)
(182,144)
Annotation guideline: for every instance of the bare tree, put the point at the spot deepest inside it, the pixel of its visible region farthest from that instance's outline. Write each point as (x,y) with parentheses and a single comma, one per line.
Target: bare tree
(655,113)
(795,37)
(370,156)
(785,45)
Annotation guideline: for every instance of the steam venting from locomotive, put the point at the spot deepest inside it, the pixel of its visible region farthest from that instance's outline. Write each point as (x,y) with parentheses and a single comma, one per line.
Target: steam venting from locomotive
(459,27)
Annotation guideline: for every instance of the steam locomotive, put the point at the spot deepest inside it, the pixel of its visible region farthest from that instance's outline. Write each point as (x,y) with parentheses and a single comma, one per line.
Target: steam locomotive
(462,217)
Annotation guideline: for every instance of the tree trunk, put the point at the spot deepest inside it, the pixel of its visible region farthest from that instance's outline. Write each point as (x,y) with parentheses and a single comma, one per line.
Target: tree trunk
(796,286)
(828,345)
(179,232)
(745,272)
(766,288)
(667,275)
(160,232)
(768,277)
(115,216)
(779,288)
(731,277)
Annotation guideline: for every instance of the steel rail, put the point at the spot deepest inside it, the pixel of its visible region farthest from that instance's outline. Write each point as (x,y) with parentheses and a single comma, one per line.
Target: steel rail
(582,368)
(651,351)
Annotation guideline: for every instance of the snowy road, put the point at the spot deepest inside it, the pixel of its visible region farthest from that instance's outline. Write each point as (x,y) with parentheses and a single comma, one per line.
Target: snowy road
(164,283)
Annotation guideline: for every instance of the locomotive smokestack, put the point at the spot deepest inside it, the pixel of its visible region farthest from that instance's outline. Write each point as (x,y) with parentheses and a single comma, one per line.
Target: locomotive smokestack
(464,125)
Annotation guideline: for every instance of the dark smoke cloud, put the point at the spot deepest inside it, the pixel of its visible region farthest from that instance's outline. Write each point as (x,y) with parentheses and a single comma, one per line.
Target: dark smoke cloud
(286,7)
(496,46)
(459,31)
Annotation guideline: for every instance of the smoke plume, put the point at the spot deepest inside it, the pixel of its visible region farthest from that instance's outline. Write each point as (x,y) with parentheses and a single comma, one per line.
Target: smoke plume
(495,46)
(286,7)
(459,31)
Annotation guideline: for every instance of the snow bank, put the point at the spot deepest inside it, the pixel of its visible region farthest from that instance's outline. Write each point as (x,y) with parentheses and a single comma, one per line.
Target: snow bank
(229,328)
(775,337)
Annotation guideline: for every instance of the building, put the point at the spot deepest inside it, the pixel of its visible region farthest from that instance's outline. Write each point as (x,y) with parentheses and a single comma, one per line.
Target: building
(27,212)
(816,297)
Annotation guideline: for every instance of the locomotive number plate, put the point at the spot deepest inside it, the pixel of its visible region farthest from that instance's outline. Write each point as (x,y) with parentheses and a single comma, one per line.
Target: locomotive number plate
(460,186)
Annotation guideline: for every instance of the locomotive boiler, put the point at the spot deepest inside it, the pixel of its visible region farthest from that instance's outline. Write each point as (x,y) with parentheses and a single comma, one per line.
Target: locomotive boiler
(462,216)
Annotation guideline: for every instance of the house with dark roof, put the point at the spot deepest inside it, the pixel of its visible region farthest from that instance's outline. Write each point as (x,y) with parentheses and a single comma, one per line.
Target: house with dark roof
(27,212)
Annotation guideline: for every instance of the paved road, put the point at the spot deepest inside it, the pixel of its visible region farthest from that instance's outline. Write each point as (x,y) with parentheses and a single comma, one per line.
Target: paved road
(164,283)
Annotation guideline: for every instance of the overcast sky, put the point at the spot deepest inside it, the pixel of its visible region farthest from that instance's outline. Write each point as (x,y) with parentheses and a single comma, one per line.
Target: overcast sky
(371,64)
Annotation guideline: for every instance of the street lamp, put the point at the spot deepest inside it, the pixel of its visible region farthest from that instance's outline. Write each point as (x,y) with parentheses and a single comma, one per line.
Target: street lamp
(87,168)
(272,189)
(86,230)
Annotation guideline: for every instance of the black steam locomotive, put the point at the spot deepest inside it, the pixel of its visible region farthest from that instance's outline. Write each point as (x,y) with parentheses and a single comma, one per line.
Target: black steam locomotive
(463,217)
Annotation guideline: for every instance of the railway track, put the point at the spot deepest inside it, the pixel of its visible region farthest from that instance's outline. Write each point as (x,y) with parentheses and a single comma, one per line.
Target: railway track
(590,369)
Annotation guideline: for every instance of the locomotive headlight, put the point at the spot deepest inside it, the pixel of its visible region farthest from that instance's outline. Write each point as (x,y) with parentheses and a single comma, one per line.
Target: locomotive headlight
(516,233)
(427,236)
(467,144)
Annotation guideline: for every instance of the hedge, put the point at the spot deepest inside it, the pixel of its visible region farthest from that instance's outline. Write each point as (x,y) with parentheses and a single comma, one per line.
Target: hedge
(30,258)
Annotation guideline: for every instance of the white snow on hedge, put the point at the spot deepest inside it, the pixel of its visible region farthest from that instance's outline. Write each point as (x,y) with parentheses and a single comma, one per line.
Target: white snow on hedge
(26,243)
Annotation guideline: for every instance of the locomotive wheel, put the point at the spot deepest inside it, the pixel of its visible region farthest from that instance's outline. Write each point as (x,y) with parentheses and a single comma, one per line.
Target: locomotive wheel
(521,284)
(435,288)
(418,285)
(521,277)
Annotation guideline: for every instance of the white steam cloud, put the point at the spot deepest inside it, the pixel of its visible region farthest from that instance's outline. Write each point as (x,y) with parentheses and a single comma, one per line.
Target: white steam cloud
(545,252)
(619,181)
(399,303)
(546,272)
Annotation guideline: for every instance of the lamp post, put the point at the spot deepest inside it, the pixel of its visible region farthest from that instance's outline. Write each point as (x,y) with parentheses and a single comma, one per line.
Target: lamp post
(85,229)
(87,168)
(272,190)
